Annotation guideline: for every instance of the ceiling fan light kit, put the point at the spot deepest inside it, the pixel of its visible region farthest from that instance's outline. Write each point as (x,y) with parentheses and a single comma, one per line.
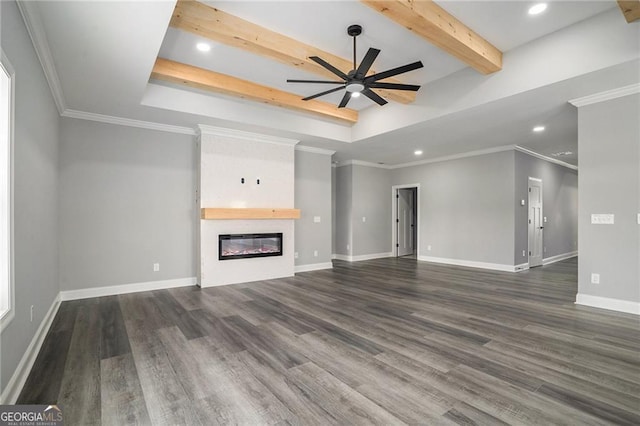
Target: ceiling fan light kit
(356,81)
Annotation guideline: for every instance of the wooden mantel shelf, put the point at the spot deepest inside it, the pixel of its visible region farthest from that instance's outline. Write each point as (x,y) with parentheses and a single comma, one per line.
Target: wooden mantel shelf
(228,213)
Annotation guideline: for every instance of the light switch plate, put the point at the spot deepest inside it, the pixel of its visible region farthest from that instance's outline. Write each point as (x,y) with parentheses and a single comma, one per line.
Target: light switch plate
(602,219)
(544,219)
(316,219)
(595,278)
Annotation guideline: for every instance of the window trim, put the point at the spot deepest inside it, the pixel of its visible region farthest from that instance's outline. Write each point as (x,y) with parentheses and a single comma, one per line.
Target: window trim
(8,316)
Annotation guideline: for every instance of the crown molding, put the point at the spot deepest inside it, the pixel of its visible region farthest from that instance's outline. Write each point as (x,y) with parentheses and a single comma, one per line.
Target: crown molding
(32,21)
(545,158)
(314,150)
(83,115)
(455,156)
(459,156)
(240,134)
(363,163)
(606,96)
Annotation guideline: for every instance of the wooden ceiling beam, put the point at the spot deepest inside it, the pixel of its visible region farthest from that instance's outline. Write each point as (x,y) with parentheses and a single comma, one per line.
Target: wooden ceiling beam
(439,27)
(219,26)
(199,78)
(630,9)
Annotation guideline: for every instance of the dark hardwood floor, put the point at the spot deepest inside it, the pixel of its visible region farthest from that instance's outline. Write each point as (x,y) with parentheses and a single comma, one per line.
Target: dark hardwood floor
(387,341)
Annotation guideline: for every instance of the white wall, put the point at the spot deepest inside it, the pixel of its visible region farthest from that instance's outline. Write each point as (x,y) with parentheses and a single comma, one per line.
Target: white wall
(35,185)
(227,157)
(127,201)
(609,182)
(313,198)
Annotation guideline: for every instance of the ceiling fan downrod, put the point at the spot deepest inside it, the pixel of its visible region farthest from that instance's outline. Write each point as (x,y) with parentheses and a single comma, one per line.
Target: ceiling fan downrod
(354,31)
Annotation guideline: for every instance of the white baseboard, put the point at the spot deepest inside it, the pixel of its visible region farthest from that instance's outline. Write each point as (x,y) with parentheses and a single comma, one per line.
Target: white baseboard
(608,303)
(521,267)
(313,267)
(559,257)
(469,263)
(14,387)
(363,257)
(86,293)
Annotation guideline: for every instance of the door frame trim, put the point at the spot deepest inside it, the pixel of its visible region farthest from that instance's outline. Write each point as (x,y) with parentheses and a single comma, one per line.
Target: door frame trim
(394,216)
(541,218)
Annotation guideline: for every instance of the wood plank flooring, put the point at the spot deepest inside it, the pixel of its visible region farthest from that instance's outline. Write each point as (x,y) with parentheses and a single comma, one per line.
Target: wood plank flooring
(388,341)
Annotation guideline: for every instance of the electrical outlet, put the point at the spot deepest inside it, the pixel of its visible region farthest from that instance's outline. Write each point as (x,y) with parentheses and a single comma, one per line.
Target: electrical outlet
(156,267)
(316,219)
(31,313)
(295,255)
(364,219)
(544,250)
(595,278)
(524,253)
(429,248)
(347,246)
(315,253)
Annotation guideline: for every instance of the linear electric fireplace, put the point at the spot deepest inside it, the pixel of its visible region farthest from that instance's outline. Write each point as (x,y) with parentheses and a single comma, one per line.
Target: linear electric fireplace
(243,246)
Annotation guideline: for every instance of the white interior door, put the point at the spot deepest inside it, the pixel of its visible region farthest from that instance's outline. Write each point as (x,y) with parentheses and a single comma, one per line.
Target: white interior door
(405,221)
(536,226)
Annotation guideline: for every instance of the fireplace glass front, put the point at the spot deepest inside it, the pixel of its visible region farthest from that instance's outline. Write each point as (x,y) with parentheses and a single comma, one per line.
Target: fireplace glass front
(242,246)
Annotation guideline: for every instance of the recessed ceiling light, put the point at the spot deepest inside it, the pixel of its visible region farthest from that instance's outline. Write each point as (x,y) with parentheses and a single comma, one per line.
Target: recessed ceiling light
(538,129)
(417,152)
(355,94)
(537,8)
(203,47)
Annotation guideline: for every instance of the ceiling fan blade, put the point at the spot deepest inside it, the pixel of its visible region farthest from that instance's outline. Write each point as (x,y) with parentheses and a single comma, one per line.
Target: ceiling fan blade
(366,63)
(394,86)
(374,96)
(394,71)
(328,66)
(317,95)
(345,100)
(315,81)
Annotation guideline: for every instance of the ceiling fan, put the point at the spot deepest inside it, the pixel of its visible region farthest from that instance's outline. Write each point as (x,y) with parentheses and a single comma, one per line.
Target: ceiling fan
(356,81)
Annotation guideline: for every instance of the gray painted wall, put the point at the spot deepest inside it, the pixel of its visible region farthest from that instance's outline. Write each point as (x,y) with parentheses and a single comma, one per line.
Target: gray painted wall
(466,207)
(127,201)
(333,210)
(313,197)
(343,223)
(609,182)
(559,205)
(371,199)
(35,185)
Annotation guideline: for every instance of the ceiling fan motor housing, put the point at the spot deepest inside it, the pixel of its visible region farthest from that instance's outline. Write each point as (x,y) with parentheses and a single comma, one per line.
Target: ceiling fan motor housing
(354,30)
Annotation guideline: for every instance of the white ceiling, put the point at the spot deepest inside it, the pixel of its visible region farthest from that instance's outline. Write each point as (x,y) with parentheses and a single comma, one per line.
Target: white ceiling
(103,53)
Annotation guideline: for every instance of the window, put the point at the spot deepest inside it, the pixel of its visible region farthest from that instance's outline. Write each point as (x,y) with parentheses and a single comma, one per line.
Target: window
(6,199)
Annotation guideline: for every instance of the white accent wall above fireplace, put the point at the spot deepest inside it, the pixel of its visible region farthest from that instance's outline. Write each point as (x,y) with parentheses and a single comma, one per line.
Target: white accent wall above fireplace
(266,164)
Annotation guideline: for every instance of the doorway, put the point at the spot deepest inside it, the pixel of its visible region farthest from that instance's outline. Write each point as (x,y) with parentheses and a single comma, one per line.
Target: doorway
(405,218)
(536,225)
